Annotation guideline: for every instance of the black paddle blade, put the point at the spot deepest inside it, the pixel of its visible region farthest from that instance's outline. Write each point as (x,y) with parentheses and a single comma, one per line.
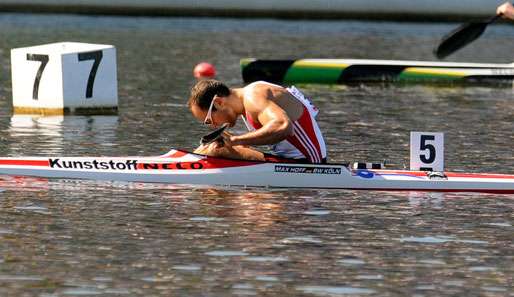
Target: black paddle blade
(461,37)
(214,135)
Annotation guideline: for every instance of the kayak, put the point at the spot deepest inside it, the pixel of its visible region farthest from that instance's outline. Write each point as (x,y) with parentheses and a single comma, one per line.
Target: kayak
(342,71)
(182,167)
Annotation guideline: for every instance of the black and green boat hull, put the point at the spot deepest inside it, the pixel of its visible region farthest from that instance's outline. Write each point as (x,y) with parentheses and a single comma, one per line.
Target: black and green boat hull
(347,71)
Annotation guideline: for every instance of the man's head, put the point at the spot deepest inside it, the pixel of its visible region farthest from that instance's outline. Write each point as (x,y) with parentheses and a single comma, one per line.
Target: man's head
(209,103)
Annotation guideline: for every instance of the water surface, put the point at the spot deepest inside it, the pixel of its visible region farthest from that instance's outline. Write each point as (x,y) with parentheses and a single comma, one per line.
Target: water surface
(76,238)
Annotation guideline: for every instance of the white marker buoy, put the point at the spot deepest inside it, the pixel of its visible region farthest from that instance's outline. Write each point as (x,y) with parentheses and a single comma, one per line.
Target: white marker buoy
(64,78)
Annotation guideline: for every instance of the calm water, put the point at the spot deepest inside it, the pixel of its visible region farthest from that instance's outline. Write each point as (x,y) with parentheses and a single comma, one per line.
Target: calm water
(76,238)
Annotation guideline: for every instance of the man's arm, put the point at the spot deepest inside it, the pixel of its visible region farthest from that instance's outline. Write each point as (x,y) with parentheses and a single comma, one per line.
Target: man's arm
(276,125)
(232,152)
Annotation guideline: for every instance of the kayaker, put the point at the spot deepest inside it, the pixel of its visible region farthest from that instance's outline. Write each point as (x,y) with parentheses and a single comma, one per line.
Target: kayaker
(281,117)
(506,10)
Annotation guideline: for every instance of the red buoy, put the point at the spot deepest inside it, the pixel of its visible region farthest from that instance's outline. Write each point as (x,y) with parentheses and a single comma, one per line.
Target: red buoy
(204,70)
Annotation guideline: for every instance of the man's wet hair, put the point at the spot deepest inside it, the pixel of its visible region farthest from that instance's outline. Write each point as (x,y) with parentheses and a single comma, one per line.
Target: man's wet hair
(204,91)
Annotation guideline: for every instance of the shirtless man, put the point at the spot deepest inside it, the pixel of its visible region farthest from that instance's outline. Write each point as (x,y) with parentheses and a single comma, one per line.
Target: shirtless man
(506,10)
(277,116)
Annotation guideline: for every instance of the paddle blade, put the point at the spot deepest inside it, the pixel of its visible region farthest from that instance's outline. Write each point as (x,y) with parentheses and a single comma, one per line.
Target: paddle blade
(214,135)
(459,38)
(462,36)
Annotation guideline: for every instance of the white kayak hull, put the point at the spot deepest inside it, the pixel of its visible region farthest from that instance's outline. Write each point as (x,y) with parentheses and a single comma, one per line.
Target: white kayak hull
(179,167)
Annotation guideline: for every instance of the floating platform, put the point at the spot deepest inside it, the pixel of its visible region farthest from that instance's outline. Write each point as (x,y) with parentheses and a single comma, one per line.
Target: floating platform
(347,71)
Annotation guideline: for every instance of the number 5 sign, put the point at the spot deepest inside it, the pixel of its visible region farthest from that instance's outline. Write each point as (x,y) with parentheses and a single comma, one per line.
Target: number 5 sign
(65,77)
(427,151)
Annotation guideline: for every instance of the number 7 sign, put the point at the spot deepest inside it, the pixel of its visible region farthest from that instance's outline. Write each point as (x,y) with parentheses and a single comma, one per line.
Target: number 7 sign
(64,77)
(427,151)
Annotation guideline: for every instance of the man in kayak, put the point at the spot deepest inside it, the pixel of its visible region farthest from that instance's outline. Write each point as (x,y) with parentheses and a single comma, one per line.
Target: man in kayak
(277,116)
(506,10)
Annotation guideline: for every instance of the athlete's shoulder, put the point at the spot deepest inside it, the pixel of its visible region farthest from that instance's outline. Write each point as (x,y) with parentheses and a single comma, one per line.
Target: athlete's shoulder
(262,84)
(257,96)
(255,89)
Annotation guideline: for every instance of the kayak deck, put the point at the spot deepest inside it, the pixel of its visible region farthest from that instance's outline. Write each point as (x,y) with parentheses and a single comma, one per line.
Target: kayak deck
(181,167)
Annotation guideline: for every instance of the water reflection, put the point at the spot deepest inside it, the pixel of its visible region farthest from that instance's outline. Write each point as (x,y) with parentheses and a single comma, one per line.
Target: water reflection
(23,183)
(58,133)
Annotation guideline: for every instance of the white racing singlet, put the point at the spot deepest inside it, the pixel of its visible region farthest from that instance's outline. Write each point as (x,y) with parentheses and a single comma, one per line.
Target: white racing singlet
(307,141)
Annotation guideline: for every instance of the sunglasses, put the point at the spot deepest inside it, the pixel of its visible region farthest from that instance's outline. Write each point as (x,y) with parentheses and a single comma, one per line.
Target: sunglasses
(208,117)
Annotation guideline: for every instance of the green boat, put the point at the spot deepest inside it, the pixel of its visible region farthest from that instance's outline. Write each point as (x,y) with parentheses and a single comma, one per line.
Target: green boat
(347,71)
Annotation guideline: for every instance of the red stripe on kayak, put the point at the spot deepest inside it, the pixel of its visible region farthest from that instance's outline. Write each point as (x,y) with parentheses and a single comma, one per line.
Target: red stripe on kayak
(45,163)
(404,172)
(480,175)
(207,163)
(177,154)
(485,191)
(448,174)
(212,163)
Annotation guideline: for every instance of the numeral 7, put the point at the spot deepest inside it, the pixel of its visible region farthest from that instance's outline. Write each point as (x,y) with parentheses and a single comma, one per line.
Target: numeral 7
(97,57)
(44,60)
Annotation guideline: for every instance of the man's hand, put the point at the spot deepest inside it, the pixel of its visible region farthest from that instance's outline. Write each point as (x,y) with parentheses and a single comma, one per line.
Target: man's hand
(506,10)
(215,149)
(228,139)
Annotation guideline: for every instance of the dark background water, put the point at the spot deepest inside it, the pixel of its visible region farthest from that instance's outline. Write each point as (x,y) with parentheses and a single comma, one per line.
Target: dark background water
(70,238)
